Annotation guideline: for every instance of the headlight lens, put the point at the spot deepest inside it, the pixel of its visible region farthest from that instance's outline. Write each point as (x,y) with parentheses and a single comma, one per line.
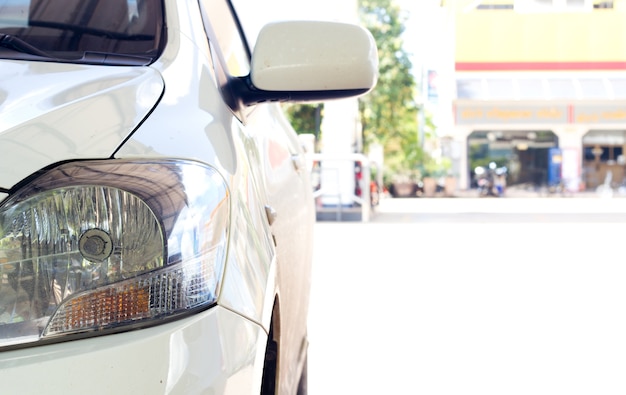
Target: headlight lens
(108,245)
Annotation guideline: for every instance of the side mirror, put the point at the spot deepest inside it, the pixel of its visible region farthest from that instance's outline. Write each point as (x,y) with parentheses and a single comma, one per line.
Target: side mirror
(310,61)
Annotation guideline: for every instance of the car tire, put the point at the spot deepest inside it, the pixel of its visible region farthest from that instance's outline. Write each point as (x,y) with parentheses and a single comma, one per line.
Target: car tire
(303,384)
(392,190)
(268,384)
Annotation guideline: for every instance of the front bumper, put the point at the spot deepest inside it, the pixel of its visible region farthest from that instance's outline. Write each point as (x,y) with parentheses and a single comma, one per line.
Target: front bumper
(216,351)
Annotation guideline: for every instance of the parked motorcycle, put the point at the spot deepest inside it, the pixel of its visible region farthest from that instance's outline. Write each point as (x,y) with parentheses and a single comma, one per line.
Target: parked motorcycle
(491,180)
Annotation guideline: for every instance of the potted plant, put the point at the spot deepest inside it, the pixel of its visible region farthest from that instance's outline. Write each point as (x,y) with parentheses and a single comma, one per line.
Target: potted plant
(429,177)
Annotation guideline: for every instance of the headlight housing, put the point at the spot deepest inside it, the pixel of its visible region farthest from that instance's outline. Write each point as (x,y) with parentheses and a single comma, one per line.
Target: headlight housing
(101,246)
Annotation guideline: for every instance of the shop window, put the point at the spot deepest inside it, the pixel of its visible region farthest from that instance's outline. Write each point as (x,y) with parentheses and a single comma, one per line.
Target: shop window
(588,154)
(604,153)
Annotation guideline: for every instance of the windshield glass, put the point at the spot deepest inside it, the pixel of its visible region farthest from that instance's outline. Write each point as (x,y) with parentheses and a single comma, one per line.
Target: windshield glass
(91,31)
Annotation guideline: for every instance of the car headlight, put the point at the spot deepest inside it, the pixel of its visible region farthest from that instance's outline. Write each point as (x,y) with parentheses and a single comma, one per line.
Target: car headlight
(101,246)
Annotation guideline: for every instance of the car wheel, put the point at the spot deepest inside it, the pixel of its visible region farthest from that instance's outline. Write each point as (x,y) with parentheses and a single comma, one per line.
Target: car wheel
(302,384)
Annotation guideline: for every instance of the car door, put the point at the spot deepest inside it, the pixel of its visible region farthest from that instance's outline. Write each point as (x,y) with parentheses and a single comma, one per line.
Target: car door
(278,165)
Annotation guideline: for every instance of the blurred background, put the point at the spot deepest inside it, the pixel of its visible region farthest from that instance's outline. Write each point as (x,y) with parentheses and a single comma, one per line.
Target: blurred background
(469,235)
(534,88)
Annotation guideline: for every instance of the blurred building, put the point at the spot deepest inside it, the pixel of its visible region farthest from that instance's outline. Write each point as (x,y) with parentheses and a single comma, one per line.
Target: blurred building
(541,86)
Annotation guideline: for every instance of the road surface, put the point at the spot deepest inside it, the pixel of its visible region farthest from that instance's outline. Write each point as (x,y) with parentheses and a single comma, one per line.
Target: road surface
(472,296)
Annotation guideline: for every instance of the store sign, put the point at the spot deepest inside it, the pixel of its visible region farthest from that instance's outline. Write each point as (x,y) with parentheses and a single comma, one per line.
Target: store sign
(600,114)
(493,114)
(505,114)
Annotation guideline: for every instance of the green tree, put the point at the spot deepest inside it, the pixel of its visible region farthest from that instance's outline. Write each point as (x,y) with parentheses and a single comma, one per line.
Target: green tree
(389,112)
(305,118)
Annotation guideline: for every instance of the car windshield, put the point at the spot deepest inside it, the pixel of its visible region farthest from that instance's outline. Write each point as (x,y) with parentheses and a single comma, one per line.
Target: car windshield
(81,31)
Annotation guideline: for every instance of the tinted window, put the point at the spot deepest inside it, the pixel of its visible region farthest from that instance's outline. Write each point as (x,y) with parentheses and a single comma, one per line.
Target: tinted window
(68,29)
(229,40)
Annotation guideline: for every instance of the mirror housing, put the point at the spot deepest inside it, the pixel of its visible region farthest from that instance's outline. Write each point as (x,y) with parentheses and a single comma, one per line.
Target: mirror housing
(307,61)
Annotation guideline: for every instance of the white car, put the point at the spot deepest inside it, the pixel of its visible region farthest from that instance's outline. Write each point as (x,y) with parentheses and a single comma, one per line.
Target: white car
(155,208)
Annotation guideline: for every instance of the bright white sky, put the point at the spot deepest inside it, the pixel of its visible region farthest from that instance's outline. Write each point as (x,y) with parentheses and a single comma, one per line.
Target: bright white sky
(255,14)
(421,28)
(422,36)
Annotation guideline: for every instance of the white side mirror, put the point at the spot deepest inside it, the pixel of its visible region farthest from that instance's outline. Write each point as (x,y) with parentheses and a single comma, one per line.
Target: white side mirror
(314,56)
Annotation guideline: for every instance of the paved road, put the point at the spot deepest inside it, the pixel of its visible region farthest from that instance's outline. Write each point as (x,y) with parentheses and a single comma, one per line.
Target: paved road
(472,296)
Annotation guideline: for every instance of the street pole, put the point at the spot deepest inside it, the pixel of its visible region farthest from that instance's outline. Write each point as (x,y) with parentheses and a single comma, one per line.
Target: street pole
(421,115)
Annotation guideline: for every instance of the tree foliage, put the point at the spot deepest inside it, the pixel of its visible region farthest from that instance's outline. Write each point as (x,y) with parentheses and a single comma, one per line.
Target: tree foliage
(389,112)
(305,118)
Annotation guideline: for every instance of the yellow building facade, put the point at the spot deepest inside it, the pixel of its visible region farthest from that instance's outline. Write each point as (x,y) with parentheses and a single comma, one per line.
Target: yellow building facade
(540,87)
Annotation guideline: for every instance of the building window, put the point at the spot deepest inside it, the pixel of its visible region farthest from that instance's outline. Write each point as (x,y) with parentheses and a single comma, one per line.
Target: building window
(494,7)
(606,146)
(602,4)
(554,5)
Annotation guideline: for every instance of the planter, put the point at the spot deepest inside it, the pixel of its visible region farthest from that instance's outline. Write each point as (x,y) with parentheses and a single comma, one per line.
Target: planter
(450,186)
(430,186)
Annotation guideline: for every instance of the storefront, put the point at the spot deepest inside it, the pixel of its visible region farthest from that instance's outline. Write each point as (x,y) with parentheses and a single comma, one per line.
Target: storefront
(538,82)
(603,157)
(525,153)
(577,121)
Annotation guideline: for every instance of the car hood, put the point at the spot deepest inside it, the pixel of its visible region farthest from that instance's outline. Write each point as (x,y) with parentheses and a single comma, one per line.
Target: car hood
(51,112)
